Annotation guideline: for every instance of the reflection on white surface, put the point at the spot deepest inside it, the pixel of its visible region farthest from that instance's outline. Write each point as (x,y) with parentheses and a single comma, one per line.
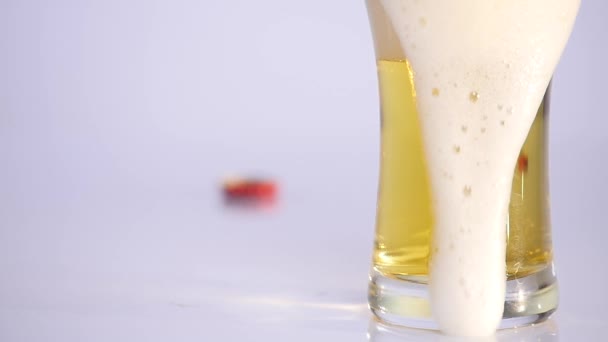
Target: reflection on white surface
(287,303)
(544,332)
(275,309)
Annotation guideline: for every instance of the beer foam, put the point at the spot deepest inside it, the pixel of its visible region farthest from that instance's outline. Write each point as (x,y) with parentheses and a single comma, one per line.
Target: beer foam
(481,69)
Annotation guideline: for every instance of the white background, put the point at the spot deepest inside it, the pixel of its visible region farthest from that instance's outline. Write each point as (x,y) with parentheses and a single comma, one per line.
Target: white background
(119,119)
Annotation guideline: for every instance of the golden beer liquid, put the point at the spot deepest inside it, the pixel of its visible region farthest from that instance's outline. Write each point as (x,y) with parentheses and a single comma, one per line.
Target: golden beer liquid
(405,217)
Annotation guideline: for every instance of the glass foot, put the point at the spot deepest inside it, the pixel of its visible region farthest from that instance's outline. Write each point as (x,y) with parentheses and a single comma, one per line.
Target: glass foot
(405,301)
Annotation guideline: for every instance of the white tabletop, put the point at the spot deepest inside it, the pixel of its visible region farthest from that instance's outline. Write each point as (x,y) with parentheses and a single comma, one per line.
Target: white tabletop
(119,119)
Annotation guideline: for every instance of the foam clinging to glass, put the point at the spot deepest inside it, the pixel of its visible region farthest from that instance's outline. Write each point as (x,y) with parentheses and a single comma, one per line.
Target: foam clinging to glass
(481,68)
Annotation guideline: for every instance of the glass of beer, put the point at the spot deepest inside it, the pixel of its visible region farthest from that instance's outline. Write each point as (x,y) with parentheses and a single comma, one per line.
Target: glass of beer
(406,210)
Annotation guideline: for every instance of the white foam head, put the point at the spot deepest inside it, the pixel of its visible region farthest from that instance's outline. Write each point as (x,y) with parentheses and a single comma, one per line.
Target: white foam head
(481,68)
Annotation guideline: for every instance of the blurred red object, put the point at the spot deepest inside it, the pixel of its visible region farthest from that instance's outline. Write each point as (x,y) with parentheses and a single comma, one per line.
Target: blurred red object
(250,189)
(522,163)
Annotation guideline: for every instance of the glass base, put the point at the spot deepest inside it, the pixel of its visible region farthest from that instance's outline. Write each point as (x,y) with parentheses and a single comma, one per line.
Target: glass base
(405,301)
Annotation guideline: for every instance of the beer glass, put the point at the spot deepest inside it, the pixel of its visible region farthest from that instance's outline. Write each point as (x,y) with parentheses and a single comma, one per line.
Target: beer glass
(398,289)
